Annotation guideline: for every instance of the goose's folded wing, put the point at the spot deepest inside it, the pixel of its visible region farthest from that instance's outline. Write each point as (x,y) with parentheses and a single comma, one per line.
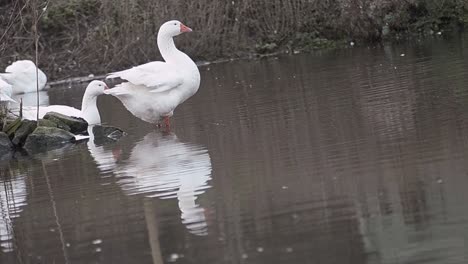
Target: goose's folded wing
(5,77)
(158,76)
(5,91)
(21,66)
(6,98)
(23,76)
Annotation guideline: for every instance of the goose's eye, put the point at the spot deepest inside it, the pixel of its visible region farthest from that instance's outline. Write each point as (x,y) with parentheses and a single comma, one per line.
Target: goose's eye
(175,24)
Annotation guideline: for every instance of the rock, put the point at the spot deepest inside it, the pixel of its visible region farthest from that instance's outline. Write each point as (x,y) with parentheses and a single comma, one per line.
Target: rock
(5,144)
(26,128)
(12,126)
(76,125)
(47,123)
(46,138)
(104,134)
(51,117)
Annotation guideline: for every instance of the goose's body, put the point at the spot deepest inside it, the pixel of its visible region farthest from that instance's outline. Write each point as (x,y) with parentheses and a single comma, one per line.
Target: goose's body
(21,75)
(89,110)
(30,99)
(153,90)
(5,91)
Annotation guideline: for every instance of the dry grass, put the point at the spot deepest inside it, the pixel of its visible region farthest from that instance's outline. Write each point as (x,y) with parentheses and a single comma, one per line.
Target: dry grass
(94,36)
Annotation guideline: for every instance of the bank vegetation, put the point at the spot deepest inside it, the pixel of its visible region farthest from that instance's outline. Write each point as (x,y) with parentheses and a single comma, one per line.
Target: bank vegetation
(79,37)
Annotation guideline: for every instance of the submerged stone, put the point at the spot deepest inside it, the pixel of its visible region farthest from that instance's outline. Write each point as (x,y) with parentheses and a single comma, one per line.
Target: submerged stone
(46,138)
(103,134)
(26,128)
(75,125)
(5,144)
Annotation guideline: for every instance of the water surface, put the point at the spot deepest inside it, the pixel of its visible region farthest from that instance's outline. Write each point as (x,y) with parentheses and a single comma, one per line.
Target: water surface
(351,156)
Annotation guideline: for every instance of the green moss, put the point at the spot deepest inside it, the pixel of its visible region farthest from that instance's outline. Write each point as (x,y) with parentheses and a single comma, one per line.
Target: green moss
(310,42)
(11,128)
(299,42)
(46,123)
(266,48)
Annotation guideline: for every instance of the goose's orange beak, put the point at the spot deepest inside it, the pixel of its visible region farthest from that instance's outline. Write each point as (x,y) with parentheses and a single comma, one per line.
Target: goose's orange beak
(184,28)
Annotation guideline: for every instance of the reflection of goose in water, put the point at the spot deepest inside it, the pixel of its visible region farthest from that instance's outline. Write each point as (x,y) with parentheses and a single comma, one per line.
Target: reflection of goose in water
(12,198)
(105,159)
(162,166)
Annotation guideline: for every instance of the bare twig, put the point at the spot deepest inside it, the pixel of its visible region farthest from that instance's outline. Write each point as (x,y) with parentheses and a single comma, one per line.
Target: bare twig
(37,17)
(12,20)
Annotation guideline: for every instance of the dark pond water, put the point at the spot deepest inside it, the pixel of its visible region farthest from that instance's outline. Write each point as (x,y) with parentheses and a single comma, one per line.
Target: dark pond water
(354,156)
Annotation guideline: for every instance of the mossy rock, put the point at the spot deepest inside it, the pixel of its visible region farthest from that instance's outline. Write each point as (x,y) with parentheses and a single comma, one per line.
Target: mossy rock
(12,126)
(23,131)
(75,125)
(47,123)
(47,138)
(5,144)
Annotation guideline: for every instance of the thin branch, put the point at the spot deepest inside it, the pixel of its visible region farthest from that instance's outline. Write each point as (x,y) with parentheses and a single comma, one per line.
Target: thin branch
(36,41)
(37,17)
(13,20)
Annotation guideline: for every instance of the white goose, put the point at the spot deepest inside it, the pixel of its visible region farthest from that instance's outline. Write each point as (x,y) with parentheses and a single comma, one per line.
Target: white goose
(153,90)
(89,110)
(22,77)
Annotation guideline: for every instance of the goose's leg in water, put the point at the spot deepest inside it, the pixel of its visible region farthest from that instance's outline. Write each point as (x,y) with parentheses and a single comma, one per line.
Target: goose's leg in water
(167,122)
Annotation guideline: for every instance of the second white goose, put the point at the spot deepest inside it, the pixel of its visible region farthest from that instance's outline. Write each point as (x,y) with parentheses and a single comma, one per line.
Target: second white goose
(89,110)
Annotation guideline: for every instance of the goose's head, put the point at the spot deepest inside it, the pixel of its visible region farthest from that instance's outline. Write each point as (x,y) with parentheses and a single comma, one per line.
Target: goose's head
(174,28)
(96,88)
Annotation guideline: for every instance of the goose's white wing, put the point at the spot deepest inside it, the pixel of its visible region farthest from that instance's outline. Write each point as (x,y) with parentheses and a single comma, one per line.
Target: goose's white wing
(158,76)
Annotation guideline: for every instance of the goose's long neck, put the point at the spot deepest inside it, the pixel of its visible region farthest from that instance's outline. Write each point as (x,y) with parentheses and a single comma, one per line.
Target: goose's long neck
(184,63)
(89,108)
(168,50)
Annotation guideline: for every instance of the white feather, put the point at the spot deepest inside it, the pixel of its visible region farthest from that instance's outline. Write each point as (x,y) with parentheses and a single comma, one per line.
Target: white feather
(5,91)
(21,75)
(89,110)
(157,76)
